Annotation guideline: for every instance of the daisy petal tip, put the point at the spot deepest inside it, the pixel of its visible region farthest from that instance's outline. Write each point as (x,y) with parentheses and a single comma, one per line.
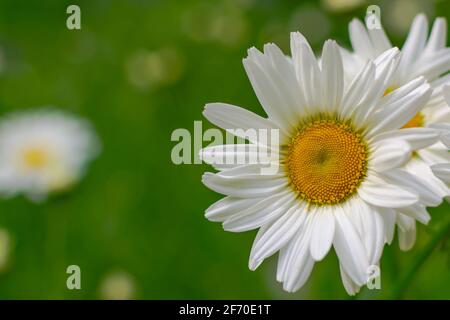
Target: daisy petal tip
(230,227)
(395,51)
(208,108)
(254,264)
(298,36)
(355,23)
(331,44)
(252,52)
(288,288)
(207,215)
(206,177)
(269,46)
(421,17)
(318,255)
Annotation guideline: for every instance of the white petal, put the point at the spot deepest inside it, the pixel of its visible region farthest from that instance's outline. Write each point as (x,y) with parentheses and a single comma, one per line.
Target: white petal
(228,206)
(332,76)
(418,212)
(275,237)
(378,192)
(372,232)
(444,131)
(360,40)
(350,248)
(307,70)
(415,184)
(365,111)
(439,85)
(389,216)
(286,71)
(446,92)
(406,239)
(388,154)
(405,222)
(406,232)
(247,186)
(414,44)
(421,169)
(253,265)
(379,39)
(357,89)
(398,94)
(237,154)
(272,91)
(259,214)
(417,138)
(295,262)
(442,171)
(433,65)
(322,233)
(230,118)
(435,154)
(302,275)
(395,115)
(351,287)
(438,36)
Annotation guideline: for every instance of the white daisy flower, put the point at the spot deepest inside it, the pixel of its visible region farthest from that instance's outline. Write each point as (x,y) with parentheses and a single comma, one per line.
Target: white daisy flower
(429,58)
(442,170)
(339,182)
(43,151)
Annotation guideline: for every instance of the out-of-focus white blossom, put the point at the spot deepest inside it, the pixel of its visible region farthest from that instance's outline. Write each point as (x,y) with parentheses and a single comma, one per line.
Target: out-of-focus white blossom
(43,151)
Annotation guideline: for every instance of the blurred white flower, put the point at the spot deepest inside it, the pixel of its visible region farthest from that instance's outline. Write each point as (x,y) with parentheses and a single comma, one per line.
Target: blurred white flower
(118,285)
(442,170)
(43,151)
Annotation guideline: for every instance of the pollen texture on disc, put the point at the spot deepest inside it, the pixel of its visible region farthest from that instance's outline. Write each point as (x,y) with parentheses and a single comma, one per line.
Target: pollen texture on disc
(326,162)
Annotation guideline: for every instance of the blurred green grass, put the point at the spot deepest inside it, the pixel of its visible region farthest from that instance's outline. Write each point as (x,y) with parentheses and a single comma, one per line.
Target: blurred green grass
(135,210)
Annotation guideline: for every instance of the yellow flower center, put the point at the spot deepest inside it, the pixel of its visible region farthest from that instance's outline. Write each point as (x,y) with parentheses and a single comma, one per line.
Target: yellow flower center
(326,162)
(35,158)
(389,90)
(416,121)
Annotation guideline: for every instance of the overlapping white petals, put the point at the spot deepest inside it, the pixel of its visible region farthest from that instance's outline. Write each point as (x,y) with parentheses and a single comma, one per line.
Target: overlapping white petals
(422,55)
(417,138)
(295,262)
(389,154)
(277,235)
(442,171)
(230,117)
(379,192)
(397,113)
(244,187)
(350,248)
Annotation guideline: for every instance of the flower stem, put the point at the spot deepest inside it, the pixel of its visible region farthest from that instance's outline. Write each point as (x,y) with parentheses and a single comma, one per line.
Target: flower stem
(406,278)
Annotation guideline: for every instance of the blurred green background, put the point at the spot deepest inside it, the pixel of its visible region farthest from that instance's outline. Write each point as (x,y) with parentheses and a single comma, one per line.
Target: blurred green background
(138,70)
